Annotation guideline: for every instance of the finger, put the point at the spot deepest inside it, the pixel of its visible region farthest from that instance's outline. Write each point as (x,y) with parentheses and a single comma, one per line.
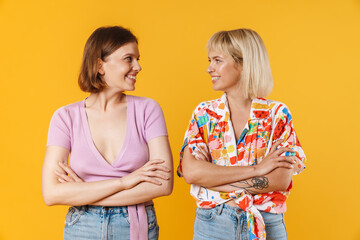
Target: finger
(152,180)
(201,155)
(197,157)
(152,162)
(282,150)
(155,161)
(288,159)
(275,145)
(157,174)
(205,149)
(159,164)
(154,167)
(70,172)
(61,165)
(205,153)
(66,168)
(64,176)
(285,165)
(160,168)
(61,180)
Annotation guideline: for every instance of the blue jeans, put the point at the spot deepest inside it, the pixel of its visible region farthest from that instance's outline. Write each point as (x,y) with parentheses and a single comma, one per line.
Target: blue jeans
(100,223)
(226,222)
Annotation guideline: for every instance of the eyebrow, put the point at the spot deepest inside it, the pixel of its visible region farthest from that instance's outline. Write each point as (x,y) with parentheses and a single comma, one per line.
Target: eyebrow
(215,57)
(130,54)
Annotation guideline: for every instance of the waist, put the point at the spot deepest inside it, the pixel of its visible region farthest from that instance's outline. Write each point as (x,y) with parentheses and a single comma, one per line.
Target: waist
(111,209)
(231,203)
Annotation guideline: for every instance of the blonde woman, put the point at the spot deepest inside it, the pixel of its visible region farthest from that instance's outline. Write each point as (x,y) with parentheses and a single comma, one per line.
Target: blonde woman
(120,156)
(240,151)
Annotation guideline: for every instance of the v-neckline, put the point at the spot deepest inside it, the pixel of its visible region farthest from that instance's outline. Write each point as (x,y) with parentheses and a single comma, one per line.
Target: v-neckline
(246,127)
(99,156)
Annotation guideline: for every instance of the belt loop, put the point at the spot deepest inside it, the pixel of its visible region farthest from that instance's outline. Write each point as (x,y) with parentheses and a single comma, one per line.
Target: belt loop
(82,209)
(220,209)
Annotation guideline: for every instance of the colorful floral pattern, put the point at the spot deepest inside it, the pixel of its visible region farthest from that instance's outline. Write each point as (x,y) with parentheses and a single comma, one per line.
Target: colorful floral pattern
(210,127)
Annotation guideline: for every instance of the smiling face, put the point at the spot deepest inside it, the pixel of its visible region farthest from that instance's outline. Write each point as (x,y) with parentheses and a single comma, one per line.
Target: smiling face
(224,71)
(120,68)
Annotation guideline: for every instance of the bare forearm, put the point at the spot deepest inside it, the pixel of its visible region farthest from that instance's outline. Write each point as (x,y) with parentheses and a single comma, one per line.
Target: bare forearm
(71,193)
(61,189)
(209,175)
(75,193)
(141,193)
(277,180)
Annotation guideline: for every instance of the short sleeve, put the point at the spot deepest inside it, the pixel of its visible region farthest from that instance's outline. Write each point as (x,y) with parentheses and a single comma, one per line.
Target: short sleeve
(193,138)
(59,130)
(284,129)
(155,125)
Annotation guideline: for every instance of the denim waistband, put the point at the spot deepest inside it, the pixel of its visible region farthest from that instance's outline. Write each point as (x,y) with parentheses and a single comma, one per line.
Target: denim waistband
(227,209)
(102,209)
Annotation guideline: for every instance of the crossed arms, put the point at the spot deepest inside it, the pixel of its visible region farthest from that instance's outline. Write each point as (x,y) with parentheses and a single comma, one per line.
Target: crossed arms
(274,173)
(61,186)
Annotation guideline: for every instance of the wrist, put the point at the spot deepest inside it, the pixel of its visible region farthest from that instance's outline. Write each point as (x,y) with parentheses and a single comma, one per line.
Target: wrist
(257,170)
(120,184)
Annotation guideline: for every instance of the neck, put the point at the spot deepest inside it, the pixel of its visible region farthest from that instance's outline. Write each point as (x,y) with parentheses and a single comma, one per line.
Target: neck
(105,100)
(238,102)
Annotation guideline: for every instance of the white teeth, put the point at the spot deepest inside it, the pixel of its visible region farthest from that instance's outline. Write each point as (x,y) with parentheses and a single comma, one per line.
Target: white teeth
(215,78)
(132,77)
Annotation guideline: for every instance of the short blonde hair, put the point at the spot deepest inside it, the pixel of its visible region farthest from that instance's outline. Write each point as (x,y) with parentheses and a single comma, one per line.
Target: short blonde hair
(246,46)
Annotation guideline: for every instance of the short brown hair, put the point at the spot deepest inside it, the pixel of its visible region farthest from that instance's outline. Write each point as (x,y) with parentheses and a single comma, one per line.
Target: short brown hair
(102,42)
(246,46)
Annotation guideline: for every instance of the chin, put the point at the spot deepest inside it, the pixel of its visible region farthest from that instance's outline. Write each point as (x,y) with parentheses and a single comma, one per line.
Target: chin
(130,87)
(216,88)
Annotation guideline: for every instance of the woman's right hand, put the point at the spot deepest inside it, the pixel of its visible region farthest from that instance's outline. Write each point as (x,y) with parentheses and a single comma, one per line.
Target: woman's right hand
(147,173)
(273,160)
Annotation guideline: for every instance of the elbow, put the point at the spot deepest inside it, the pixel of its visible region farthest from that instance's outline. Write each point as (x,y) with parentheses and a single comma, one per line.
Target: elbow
(282,179)
(189,179)
(190,176)
(49,200)
(167,191)
(168,188)
(286,185)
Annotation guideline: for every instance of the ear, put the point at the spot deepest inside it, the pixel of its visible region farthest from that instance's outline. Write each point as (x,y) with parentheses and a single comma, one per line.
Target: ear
(100,66)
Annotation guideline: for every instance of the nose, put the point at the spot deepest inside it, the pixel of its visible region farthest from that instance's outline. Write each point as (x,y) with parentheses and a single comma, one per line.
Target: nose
(209,69)
(137,66)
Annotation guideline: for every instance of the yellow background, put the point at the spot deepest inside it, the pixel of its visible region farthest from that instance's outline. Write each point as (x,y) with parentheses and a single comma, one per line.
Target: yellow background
(314,49)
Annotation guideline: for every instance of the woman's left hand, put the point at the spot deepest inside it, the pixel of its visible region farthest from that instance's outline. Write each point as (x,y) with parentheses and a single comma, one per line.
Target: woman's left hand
(203,154)
(68,176)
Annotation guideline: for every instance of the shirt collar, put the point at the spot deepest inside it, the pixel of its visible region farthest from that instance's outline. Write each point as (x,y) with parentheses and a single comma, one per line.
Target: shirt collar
(260,108)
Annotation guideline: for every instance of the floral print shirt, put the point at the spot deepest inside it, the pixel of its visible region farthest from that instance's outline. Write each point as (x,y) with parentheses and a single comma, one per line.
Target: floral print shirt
(210,127)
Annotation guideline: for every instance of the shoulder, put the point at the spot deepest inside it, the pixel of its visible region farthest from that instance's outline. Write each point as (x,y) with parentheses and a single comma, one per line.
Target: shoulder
(262,103)
(211,105)
(144,103)
(68,111)
(275,107)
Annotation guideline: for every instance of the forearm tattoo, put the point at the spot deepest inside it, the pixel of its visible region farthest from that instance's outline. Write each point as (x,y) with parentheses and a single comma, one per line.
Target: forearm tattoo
(252,185)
